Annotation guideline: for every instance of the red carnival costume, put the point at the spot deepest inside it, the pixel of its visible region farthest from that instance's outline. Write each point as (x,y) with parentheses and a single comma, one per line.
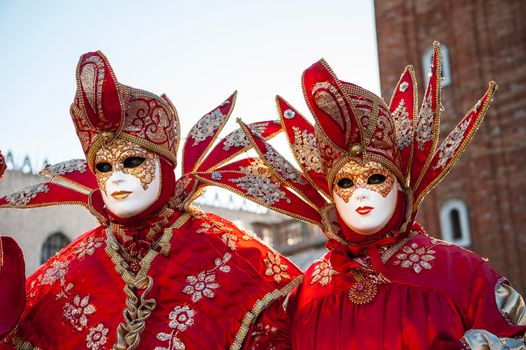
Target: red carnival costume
(166,277)
(393,287)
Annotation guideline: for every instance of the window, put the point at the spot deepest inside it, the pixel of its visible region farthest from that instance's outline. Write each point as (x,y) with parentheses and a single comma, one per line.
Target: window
(454,222)
(52,245)
(446,68)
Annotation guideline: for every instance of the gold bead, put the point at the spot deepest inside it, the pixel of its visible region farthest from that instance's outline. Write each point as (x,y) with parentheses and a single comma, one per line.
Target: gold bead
(355,149)
(107,136)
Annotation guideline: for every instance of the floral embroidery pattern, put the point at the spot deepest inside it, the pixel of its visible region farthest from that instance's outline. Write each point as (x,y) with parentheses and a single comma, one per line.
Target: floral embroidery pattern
(289,114)
(239,139)
(25,195)
(402,125)
(88,246)
(415,257)
(96,337)
(257,184)
(275,267)
(283,167)
(306,149)
(449,146)
(55,272)
(204,283)
(261,331)
(78,311)
(230,240)
(424,127)
(207,126)
(323,273)
(68,167)
(181,318)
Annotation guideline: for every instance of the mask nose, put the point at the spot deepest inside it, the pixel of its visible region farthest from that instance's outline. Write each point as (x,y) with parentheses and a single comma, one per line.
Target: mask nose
(117,178)
(361,196)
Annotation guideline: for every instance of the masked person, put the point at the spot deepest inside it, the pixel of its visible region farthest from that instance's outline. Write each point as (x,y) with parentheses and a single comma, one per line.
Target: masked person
(384,283)
(157,274)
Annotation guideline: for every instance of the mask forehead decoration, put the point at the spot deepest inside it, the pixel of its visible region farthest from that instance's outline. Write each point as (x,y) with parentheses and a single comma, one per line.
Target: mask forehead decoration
(371,175)
(105,110)
(125,156)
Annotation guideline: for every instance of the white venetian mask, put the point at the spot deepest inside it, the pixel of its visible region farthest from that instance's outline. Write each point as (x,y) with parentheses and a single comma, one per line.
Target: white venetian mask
(128,176)
(365,196)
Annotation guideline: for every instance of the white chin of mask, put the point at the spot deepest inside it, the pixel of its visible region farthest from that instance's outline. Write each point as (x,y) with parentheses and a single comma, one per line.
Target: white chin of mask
(125,197)
(358,215)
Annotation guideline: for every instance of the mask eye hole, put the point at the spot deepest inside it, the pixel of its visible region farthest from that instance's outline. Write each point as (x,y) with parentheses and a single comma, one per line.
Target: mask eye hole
(375,179)
(133,162)
(345,183)
(103,167)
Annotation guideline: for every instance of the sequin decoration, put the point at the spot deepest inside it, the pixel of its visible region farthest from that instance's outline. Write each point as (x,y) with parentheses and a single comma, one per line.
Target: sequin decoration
(323,273)
(403,126)
(207,126)
(424,126)
(24,196)
(97,337)
(451,143)
(204,283)
(238,138)
(306,150)
(415,257)
(181,318)
(68,167)
(257,184)
(289,114)
(275,268)
(403,87)
(283,167)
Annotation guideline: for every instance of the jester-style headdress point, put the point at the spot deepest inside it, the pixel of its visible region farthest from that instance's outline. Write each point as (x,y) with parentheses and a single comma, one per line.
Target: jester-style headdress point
(104,110)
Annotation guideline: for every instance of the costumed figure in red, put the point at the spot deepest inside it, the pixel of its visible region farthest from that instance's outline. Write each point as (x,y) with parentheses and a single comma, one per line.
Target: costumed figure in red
(384,283)
(158,273)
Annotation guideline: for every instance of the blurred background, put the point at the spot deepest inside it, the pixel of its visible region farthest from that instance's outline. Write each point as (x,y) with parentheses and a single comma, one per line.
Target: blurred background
(198,53)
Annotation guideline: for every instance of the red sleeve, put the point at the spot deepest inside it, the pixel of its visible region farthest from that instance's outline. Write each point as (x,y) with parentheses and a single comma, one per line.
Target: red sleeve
(271,329)
(483,311)
(12,285)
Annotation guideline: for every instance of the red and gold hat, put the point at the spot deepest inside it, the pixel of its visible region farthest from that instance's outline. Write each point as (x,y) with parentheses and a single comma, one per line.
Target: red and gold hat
(104,110)
(354,124)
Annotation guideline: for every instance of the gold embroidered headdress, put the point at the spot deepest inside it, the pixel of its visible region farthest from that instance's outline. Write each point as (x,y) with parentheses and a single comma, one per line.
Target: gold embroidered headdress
(104,110)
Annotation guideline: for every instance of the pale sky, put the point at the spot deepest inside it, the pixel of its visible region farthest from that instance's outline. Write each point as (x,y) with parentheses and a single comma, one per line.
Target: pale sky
(197,52)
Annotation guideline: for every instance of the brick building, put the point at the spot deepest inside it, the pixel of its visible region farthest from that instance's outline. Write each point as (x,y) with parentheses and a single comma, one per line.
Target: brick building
(482,202)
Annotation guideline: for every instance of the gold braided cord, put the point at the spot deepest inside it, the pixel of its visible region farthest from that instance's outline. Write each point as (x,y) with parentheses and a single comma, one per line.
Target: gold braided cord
(137,309)
(260,305)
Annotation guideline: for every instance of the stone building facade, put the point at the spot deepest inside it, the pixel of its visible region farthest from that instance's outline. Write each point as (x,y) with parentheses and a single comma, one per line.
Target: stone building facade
(41,232)
(482,202)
